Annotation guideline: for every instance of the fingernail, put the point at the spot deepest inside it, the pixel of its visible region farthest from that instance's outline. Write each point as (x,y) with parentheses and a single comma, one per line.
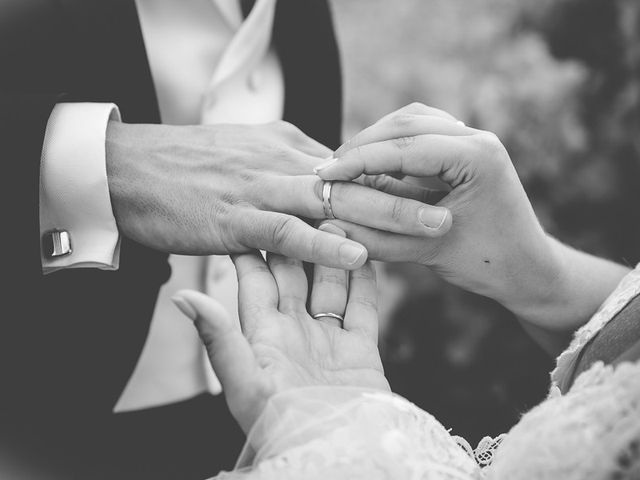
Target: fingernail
(461,123)
(329,161)
(330,228)
(351,254)
(184,307)
(432,217)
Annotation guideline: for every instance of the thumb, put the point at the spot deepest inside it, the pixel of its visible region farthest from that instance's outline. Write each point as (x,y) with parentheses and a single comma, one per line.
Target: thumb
(229,352)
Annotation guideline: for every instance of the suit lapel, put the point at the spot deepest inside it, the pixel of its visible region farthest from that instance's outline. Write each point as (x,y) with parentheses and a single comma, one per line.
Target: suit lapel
(112,53)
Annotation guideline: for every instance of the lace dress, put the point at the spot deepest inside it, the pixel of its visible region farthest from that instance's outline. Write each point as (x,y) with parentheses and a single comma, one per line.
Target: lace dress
(588,431)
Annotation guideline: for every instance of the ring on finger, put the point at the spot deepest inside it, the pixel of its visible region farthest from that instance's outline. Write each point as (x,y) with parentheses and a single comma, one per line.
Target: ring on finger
(326,200)
(318,316)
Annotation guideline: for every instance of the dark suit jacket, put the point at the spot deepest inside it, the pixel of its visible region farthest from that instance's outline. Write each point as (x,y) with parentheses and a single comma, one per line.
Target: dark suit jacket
(69,341)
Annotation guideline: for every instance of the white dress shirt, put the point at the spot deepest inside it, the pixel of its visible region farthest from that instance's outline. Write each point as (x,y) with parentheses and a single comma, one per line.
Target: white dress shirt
(209,66)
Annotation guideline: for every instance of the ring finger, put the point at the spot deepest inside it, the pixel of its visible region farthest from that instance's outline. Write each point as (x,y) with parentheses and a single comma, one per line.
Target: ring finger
(329,292)
(291,281)
(361,205)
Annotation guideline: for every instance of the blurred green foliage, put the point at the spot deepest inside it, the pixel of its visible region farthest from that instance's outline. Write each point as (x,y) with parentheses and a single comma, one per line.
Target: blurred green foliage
(559,82)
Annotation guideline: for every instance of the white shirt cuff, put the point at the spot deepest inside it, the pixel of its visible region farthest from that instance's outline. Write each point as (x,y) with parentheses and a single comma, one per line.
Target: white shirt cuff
(74,192)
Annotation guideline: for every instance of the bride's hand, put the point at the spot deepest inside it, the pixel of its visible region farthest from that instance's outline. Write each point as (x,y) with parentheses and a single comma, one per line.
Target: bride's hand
(496,246)
(279,346)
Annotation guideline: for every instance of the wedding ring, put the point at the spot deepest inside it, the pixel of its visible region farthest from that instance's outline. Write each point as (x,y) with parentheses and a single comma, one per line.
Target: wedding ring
(340,318)
(326,200)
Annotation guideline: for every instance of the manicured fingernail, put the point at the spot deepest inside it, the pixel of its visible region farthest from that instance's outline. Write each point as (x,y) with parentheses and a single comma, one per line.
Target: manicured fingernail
(432,217)
(184,307)
(461,123)
(330,228)
(351,254)
(329,161)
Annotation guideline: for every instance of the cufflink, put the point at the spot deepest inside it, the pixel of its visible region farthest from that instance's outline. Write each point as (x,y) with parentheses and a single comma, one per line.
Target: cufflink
(56,243)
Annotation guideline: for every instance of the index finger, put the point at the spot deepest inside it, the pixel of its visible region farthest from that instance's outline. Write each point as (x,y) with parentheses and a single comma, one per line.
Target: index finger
(415,108)
(404,125)
(426,155)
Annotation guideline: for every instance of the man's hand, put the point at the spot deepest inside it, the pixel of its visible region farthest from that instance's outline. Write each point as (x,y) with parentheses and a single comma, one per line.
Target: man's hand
(232,188)
(496,246)
(280,346)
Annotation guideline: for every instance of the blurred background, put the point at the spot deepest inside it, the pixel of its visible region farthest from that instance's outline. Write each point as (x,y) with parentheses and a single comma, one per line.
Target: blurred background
(559,82)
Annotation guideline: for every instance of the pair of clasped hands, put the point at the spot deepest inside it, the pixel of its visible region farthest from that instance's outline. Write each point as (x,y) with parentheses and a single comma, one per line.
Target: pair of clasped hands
(239,189)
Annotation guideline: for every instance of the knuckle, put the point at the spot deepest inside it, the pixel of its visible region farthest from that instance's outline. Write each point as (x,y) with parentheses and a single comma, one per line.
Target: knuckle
(278,152)
(316,246)
(275,260)
(366,272)
(428,255)
(397,209)
(402,143)
(370,303)
(378,182)
(253,271)
(401,146)
(358,152)
(491,148)
(282,230)
(403,120)
(333,277)
(416,107)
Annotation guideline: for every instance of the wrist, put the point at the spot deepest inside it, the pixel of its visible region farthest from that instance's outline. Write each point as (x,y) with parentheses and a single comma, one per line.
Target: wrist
(542,285)
(126,164)
(114,166)
(566,290)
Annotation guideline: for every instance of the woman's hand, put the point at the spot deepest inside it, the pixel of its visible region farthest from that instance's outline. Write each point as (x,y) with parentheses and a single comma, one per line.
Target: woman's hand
(279,346)
(496,247)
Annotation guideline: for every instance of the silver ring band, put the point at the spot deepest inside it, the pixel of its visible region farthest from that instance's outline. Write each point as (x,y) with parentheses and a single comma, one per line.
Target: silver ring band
(329,315)
(326,200)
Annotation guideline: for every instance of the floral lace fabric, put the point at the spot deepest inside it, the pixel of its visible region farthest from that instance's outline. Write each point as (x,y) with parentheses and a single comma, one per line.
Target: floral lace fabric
(347,433)
(590,431)
(486,450)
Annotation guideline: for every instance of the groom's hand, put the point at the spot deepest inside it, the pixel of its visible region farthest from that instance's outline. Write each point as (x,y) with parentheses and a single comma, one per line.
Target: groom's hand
(232,188)
(496,246)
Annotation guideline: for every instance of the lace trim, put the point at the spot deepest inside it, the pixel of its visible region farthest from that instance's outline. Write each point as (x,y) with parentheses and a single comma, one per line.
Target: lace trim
(628,289)
(486,450)
(592,432)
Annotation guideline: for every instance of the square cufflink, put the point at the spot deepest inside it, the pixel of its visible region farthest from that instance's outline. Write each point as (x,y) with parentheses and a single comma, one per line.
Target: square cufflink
(56,243)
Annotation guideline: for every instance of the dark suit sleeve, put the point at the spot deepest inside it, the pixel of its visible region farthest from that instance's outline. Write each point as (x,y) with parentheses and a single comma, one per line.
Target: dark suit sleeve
(23,121)
(68,341)
(33,42)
